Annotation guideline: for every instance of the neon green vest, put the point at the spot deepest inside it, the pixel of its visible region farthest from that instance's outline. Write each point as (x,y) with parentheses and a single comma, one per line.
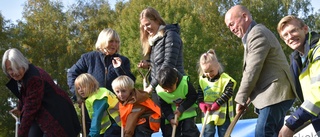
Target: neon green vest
(113,109)
(179,93)
(310,81)
(212,91)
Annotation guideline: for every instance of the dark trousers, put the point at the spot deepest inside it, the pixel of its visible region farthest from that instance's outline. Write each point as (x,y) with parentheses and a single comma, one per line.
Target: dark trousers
(185,128)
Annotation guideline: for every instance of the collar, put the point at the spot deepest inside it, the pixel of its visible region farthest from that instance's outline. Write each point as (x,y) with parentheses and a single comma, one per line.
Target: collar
(244,38)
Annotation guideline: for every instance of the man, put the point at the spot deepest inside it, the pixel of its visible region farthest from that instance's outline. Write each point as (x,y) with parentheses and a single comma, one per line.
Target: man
(266,79)
(305,68)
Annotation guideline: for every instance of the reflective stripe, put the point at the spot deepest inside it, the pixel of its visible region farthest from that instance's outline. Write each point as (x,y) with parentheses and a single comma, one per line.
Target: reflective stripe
(312,108)
(315,79)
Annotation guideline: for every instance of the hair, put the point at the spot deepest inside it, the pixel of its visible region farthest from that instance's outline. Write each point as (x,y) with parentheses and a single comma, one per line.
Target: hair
(16,59)
(105,36)
(286,20)
(123,82)
(151,14)
(167,77)
(87,82)
(209,57)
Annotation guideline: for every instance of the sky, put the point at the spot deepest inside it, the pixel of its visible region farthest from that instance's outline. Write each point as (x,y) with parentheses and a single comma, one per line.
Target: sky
(12,9)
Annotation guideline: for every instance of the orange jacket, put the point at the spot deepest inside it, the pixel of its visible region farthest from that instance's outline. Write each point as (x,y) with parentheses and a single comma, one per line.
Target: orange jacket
(134,111)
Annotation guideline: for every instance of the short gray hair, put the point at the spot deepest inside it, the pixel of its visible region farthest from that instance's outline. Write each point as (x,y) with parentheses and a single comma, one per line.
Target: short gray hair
(16,59)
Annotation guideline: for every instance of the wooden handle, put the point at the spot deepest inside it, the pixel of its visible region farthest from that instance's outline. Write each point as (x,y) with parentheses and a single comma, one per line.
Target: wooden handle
(83,117)
(174,128)
(204,123)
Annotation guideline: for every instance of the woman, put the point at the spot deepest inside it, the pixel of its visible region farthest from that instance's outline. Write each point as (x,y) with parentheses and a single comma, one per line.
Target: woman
(161,43)
(105,64)
(44,108)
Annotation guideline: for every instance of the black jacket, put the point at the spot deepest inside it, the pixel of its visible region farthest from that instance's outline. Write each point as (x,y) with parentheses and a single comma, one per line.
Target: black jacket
(167,51)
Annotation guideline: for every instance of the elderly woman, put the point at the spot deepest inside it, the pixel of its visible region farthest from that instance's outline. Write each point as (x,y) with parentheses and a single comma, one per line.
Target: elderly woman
(105,63)
(44,108)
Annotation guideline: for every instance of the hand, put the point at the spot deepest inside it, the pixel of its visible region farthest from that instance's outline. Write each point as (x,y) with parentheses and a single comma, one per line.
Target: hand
(15,112)
(240,108)
(204,107)
(177,112)
(285,132)
(116,62)
(214,106)
(143,64)
(149,89)
(173,122)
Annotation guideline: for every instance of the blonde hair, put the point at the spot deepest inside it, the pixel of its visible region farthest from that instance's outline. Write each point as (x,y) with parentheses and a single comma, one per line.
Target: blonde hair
(286,20)
(87,83)
(123,82)
(105,36)
(151,14)
(208,57)
(16,59)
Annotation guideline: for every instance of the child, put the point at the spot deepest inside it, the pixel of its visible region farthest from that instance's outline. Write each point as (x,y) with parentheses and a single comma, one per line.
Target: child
(140,116)
(215,94)
(177,97)
(102,106)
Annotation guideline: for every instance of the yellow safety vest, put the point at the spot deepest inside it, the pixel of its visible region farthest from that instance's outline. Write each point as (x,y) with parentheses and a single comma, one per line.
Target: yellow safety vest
(212,91)
(310,81)
(113,109)
(179,93)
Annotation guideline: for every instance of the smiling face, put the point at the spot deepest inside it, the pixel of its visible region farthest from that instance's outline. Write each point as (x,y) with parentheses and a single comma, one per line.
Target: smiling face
(238,20)
(294,35)
(150,26)
(18,75)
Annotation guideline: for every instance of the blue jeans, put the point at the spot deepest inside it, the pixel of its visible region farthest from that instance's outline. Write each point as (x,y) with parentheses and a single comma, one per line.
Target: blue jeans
(271,119)
(210,128)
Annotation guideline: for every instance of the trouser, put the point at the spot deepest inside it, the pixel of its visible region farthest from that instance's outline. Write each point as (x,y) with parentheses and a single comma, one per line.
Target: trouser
(271,119)
(185,128)
(210,128)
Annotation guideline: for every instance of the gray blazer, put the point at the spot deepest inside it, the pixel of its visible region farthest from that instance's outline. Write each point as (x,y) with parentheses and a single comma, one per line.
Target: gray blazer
(266,76)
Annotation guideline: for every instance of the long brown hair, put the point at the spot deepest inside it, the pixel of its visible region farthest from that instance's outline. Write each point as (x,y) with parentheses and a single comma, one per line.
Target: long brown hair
(151,14)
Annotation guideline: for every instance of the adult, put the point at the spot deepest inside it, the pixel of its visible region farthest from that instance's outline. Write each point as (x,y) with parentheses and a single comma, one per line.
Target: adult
(105,64)
(162,47)
(266,79)
(161,44)
(44,108)
(305,68)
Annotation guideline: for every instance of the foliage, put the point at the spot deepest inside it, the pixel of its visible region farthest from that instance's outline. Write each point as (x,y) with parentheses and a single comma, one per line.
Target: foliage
(54,37)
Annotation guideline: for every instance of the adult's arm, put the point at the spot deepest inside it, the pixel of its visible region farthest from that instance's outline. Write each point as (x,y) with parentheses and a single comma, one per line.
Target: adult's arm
(125,68)
(258,49)
(77,69)
(32,103)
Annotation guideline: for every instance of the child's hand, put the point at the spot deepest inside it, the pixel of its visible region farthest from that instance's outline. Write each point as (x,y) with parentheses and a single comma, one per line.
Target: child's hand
(214,106)
(204,107)
(178,113)
(173,122)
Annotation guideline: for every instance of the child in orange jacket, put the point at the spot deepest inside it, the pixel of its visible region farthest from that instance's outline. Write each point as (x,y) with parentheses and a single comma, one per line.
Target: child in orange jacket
(140,116)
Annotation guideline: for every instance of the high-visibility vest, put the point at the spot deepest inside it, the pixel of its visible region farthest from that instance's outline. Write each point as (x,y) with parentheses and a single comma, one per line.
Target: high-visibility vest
(310,81)
(212,91)
(113,109)
(154,118)
(179,94)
